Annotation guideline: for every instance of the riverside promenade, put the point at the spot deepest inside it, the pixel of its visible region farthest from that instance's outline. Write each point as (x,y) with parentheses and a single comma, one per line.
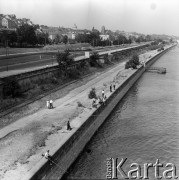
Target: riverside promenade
(23,142)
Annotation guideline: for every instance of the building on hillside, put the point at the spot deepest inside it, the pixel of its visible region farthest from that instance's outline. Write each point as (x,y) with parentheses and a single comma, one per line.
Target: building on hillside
(4,23)
(7,23)
(103,30)
(75,27)
(12,24)
(104,37)
(95,30)
(51,31)
(71,35)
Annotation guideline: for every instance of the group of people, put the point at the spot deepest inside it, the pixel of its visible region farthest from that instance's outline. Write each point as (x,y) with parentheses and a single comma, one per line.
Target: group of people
(101,100)
(50,104)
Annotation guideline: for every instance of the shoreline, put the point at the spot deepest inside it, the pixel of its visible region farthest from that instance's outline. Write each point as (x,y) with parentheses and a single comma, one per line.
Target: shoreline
(76,121)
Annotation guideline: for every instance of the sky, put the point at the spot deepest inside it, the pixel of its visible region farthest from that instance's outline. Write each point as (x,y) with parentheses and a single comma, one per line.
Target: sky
(142,16)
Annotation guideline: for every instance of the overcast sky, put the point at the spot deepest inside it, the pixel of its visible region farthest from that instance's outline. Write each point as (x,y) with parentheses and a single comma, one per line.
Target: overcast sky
(143,16)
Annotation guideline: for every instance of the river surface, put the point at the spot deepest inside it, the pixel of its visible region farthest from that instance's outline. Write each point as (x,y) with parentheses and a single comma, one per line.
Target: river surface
(144,127)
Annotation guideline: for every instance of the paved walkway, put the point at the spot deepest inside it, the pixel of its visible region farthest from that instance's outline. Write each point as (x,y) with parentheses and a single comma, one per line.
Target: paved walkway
(22,135)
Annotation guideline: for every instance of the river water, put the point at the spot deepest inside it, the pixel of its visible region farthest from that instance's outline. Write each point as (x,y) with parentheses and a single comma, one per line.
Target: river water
(143,127)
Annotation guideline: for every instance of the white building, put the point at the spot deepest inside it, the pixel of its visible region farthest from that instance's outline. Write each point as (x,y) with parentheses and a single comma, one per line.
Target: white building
(104,37)
(5,22)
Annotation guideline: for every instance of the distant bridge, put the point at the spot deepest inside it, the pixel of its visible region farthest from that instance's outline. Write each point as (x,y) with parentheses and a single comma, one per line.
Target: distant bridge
(160,70)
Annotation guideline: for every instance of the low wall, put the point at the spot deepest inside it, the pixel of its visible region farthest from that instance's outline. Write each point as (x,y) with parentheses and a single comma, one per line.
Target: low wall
(65,155)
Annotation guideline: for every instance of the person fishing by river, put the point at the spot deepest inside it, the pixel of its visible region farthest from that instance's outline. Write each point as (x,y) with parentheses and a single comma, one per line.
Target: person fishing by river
(48,156)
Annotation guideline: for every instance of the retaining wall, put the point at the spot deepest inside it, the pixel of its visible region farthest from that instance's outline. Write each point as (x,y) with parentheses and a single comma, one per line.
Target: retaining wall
(65,155)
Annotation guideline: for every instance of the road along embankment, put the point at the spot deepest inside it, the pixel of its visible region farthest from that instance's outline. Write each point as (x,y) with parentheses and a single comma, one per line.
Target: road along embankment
(67,153)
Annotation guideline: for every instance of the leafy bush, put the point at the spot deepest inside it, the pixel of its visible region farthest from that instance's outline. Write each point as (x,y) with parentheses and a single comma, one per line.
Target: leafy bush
(127,65)
(54,81)
(73,74)
(135,59)
(42,88)
(93,59)
(92,94)
(133,63)
(64,60)
(11,87)
(83,64)
(106,59)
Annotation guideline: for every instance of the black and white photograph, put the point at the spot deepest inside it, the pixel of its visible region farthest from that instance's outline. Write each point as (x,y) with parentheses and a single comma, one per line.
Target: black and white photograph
(89,89)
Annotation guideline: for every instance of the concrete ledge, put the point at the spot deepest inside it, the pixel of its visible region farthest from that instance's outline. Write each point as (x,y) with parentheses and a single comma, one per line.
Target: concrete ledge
(68,152)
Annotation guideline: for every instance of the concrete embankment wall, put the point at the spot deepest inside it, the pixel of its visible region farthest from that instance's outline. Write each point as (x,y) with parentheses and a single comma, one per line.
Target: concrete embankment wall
(65,155)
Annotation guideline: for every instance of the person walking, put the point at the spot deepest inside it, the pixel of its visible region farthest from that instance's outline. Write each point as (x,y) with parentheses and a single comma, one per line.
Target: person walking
(68,126)
(94,103)
(111,88)
(114,86)
(51,104)
(104,99)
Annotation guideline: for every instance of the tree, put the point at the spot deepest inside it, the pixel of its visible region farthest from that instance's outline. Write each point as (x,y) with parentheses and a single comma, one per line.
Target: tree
(27,34)
(171,40)
(65,39)
(148,38)
(4,37)
(133,62)
(93,59)
(42,38)
(92,94)
(135,59)
(94,38)
(57,39)
(64,61)
(140,39)
(13,37)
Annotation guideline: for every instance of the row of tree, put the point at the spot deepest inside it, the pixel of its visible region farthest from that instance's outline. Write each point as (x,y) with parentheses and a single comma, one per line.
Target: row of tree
(26,35)
(23,36)
(30,35)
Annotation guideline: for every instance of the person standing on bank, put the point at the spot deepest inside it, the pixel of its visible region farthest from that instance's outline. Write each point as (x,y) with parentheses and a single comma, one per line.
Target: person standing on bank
(51,104)
(47,104)
(111,88)
(48,156)
(103,93)
(68,126)
(114,86)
